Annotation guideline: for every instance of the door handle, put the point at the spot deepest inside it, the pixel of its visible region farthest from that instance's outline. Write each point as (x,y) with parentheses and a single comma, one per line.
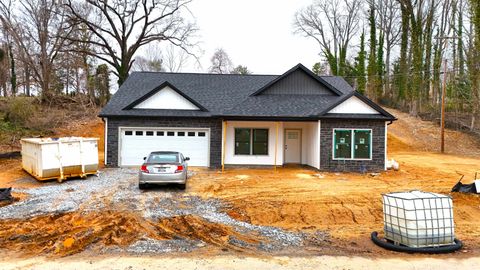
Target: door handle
(286,147)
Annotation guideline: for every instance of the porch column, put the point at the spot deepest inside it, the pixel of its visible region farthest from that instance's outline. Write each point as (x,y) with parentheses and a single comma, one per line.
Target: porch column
(224,141)
(276,147)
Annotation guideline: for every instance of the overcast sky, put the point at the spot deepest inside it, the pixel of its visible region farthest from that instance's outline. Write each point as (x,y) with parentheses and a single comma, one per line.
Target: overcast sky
(255,33)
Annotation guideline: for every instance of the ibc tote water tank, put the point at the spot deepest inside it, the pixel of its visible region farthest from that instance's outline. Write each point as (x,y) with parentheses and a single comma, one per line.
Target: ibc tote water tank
(418,219)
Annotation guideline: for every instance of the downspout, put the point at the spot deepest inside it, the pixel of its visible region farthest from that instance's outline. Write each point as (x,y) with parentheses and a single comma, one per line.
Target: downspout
(386,139)
(224,149)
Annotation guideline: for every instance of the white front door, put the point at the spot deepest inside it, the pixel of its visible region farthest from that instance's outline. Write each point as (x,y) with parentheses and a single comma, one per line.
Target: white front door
(293,146)
(137,143)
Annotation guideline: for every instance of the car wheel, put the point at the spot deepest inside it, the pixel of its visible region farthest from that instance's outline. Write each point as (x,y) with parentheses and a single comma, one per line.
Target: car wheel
(142,186)
(182,186)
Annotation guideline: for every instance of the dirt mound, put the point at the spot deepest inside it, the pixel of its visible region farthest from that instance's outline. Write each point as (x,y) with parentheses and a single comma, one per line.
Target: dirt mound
(71,233)
(425,136)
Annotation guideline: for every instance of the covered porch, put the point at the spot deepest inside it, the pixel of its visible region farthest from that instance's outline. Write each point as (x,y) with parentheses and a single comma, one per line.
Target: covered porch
(271,143)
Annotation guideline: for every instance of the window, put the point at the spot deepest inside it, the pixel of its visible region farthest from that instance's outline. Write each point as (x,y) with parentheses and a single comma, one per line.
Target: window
(250,141)
(128,133)
(139,133)
(181,133)
(149,133)
(260,141)
(201,134)
(163,158)
(352,143)
(191,134)
(170,133)
(362,144)
(242,141)
(343,144)
(160,133)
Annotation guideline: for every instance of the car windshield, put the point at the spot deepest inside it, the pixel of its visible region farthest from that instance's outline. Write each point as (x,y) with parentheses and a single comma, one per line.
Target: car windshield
(163,158)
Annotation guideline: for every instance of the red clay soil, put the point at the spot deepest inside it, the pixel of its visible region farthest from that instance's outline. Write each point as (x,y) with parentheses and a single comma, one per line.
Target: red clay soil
(345,205)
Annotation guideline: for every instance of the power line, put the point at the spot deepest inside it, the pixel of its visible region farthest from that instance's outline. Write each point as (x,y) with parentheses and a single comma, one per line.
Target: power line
(400,74)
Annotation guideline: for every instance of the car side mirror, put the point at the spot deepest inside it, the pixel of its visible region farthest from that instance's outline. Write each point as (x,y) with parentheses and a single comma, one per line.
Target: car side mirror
(186,158)
(144,158)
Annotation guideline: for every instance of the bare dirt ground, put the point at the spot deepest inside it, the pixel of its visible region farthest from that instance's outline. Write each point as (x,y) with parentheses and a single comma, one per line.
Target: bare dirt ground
(333,213)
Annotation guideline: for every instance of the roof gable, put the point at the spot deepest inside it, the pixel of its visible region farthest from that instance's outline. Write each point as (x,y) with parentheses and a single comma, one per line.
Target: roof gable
(361,98)
(353,105)
(165,97)
(298,80)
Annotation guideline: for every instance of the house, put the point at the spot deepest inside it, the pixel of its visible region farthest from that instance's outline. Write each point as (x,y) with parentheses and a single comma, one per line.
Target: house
(225,119)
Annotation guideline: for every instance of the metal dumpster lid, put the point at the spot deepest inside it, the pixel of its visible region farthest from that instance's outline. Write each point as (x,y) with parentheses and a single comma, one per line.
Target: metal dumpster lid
(59,139)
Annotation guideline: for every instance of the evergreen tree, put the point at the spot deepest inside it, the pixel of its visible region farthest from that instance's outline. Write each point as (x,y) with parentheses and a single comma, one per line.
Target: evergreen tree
(13,74)
(372,58)
(360,65)
(380,68)
(102,84)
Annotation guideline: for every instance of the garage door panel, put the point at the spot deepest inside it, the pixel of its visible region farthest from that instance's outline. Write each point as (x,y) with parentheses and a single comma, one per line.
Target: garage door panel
(134,147)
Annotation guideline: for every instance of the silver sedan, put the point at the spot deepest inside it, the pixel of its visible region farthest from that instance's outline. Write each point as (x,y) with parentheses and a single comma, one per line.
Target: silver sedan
(164,168)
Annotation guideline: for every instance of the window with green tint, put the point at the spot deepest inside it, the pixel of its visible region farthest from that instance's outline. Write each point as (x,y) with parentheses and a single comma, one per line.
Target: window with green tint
(342,143)
(260,141)
(242,141)
(362,144)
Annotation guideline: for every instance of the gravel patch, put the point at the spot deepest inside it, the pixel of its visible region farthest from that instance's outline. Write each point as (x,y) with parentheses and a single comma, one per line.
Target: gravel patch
(163,246)
(117,189)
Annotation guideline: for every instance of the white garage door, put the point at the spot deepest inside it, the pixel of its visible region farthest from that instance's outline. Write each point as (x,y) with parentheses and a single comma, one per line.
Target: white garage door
(137,143)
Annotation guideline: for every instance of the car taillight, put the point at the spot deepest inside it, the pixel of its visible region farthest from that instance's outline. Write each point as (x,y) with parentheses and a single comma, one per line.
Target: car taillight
(179,169)
(144,169)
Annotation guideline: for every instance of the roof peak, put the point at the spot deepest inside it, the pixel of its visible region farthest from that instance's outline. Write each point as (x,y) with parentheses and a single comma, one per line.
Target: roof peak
(203,73)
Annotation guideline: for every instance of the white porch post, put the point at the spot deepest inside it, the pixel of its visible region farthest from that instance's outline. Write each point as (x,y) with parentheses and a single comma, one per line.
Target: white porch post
(276,147)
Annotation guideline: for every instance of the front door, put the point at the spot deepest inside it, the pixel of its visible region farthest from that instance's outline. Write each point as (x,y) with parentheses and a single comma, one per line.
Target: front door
(293,146)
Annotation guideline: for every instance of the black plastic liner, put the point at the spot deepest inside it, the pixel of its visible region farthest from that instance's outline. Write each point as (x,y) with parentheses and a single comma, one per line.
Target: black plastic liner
(429,250)
(6,194)
(465,188)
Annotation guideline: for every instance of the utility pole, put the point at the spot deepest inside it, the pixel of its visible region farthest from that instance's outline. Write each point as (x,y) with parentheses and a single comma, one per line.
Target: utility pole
(444,93)
(442,121)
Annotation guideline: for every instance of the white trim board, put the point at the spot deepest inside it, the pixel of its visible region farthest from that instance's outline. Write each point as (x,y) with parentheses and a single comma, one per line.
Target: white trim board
(354,105)
(167,99)
(105,141)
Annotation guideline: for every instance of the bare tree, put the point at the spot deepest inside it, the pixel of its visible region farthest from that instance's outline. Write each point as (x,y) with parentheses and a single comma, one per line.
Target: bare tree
(221,62)
(333,24)
(175,59)
(142,63)
(37,28)
(150,60)
(122,27)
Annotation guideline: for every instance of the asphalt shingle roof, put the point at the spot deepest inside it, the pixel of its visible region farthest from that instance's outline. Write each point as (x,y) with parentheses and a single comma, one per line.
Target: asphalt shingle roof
(223,95)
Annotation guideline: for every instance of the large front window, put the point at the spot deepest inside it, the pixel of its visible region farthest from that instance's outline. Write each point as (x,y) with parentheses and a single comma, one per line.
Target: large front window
(352,143)
(251,141)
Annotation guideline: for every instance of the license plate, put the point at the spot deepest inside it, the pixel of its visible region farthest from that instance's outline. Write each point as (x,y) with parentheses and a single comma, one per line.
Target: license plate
(161,170)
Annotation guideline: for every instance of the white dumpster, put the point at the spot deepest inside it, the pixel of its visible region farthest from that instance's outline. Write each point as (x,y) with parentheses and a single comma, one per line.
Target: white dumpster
(60,158)
(418,219)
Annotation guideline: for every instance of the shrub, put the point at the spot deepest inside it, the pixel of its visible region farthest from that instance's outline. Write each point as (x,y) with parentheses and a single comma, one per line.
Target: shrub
(20,110)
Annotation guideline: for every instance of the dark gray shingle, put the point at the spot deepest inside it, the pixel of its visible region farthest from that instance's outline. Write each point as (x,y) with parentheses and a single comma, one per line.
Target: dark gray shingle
(223,95)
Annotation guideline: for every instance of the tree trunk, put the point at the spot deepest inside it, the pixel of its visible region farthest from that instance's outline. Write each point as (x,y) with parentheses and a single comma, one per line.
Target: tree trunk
(27,80)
